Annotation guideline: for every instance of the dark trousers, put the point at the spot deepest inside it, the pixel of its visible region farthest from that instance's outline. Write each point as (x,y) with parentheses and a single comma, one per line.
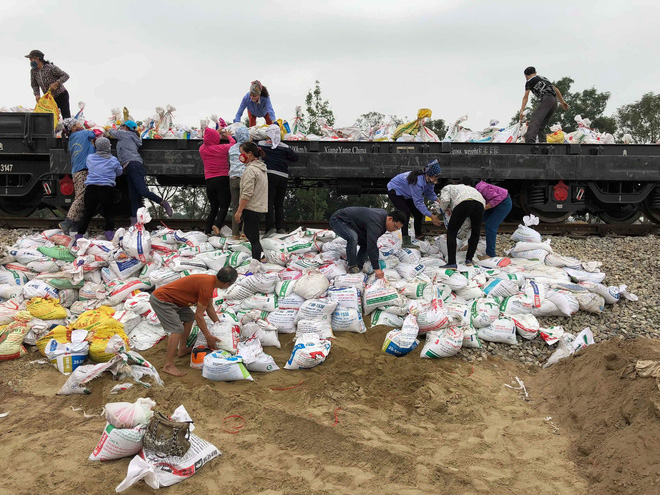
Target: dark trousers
(62,101)
(137,186)
(250,222)
(276,194)
(540,119)
(493,217)
(219,194)
(473,210)
(345,231)
(96,196)
(408,207)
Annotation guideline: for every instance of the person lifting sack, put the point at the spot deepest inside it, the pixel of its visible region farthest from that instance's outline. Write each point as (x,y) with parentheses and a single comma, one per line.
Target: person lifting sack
(407,192)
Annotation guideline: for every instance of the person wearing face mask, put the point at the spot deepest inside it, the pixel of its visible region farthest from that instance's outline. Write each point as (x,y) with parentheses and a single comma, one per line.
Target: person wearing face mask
(257,102)
(253,202)
(45,76)
(407,192)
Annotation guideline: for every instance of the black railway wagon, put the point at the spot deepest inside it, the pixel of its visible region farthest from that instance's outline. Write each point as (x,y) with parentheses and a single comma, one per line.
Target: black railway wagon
(616,182)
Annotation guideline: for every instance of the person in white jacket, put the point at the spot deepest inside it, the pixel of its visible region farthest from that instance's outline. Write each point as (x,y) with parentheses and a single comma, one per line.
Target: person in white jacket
(460,202)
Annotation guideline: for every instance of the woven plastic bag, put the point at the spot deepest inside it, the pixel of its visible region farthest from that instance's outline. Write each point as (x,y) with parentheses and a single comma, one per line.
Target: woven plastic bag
(46,104)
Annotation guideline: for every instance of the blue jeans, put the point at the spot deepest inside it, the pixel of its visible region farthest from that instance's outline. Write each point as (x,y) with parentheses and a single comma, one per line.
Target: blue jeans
(344,230)
(137,186)
(493,217)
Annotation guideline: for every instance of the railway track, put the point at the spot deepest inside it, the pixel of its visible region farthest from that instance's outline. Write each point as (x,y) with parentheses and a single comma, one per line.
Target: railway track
(575,229)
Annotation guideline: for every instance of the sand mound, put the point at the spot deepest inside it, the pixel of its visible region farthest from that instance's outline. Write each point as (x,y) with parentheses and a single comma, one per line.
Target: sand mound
(363,422)
(615,417)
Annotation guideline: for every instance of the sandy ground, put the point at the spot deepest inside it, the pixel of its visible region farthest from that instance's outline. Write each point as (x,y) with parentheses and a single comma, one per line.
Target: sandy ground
(406,426)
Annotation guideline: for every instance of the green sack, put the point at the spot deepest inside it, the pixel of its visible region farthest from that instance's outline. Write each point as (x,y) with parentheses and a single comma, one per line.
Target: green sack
(59,253)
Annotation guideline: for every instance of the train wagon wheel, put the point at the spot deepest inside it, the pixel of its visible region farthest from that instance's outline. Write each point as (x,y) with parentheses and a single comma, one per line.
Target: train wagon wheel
(651,206)
(16,207)
(544,216)
(620,214)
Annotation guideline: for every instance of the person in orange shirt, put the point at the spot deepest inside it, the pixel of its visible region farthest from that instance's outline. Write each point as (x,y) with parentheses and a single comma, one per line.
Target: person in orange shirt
(172,302)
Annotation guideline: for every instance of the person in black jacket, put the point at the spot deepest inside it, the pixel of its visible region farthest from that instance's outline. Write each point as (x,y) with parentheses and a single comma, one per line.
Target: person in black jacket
(362,226)
(278,156)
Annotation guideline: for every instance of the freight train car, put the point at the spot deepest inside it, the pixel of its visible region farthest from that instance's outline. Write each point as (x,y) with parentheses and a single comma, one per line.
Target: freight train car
(618,183)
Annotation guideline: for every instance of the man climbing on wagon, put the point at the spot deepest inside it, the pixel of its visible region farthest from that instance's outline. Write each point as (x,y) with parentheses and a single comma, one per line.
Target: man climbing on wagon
(547,94)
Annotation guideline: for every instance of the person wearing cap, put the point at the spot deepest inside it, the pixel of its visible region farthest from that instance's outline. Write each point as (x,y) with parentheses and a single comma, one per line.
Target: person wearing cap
(46,76)
(128,141)
(362,227)
(407,192)
(103,171)
(498,206)
(80,147)
(460,202)
(547,94)
(278,156)
(257,102)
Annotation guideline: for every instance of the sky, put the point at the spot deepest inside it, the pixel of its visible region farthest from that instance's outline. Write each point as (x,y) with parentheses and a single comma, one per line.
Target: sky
(393,57)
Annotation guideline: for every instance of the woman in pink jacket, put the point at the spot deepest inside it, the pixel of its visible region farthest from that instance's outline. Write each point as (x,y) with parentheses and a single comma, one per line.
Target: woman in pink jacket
(498,206)
(216,172)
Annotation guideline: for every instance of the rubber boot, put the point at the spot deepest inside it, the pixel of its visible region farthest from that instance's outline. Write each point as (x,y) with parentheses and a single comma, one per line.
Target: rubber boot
(65,226)
(407,243)
(73,228)
(109,235)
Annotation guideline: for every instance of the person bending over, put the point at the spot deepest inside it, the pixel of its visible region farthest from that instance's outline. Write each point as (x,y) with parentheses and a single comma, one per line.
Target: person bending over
(172,302)
(498,206)
(461,202)
(407,192)
(257,102)
(361,227)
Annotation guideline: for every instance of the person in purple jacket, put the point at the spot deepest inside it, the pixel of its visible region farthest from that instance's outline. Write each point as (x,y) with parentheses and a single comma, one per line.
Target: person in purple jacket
(407,192)
(498,206)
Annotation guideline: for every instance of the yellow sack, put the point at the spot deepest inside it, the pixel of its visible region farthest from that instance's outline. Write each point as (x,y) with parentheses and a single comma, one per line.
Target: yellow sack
(94,319)
(99,341)
(555,137)
(12,335)
(46,104)
(46,309)
(60,333)
(413,127)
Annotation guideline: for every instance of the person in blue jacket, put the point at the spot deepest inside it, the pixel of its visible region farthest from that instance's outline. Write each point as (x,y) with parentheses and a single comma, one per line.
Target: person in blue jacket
(407,192)
(103,170)
(80,146)
(257,102)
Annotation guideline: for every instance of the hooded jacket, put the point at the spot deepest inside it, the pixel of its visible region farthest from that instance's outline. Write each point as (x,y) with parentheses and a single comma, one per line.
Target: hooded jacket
(277,159)
(236,167)
(215,155)
(254,186)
